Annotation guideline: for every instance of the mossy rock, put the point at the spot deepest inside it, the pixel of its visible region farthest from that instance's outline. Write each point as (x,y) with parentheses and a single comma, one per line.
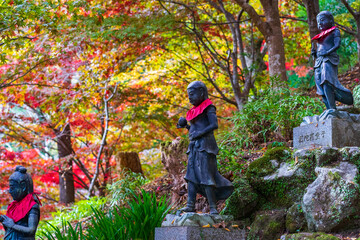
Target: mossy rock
(356,95)
(263,166)
(242,201)
(326,155)
(267,225)
(295,219)
(268,180)
(352,154)
(310,236)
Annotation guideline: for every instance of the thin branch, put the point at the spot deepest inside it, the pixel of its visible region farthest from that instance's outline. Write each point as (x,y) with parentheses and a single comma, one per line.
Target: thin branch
(346,29)
(3,85)
(103,141)
(14,39)
(210,79)
(349,8)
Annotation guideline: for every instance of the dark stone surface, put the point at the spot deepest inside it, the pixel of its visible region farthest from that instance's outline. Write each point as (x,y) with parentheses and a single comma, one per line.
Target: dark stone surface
(243,201)
(187,233)
(330,132)
(268,225)
(195,219)
(295,219)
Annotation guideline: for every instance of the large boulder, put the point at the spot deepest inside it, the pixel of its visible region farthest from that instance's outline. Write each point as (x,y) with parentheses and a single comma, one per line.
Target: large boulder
(242,201)
(267,225)
(332,197)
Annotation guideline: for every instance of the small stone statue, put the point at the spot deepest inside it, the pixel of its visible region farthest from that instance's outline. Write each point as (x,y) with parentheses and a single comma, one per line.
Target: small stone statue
(326,64)
(202,175)
(23,214)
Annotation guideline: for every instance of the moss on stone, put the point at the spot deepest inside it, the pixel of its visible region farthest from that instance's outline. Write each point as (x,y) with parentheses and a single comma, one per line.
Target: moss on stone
(325,156)
(310,236)
(356,94)
(295,219)
(262,166)
(242,201)
(353,157)
(280,192)
(267,225)
(334,176)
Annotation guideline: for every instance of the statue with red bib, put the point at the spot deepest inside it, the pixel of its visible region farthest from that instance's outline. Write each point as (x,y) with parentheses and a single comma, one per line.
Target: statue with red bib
(23,214)
(202,175)
(326,63)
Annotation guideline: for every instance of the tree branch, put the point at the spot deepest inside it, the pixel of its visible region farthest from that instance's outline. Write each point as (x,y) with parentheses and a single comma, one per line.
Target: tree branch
(350,9)
(103,140)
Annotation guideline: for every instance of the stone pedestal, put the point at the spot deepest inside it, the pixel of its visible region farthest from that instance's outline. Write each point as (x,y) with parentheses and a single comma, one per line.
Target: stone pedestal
(194,233)
(330,132)
(190,226)
(195,219)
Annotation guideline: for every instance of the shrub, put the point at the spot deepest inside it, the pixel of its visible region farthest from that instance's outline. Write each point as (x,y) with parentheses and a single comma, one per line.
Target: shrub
(120,190)
(77,212)
(271,117)
(137,221)
(56,233)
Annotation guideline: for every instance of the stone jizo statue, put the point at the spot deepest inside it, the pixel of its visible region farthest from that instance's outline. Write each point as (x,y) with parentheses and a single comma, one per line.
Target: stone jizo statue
(326,63)
(23,214)
(202,175)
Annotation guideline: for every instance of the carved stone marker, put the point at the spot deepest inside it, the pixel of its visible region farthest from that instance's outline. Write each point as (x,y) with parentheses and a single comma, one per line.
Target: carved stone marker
(330,132)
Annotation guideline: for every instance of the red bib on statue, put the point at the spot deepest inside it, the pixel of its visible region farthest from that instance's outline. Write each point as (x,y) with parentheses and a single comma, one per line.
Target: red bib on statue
(18,210)
(196,111)
(324,33)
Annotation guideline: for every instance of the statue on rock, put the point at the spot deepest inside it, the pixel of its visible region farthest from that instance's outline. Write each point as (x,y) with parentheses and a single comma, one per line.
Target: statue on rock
(23,214)
(202,175)
(326,63)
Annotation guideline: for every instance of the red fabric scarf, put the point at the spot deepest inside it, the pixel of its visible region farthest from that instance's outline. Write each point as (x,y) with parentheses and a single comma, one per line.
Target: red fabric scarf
(196,111)
(324,33)
(18,210)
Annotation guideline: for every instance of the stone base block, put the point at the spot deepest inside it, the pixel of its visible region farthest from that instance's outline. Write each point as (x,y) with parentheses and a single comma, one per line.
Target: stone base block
(327,133)
(194,233)
(195,219)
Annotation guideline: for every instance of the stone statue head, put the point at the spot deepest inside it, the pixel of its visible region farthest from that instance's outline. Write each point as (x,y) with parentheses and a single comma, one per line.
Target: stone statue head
(197,93)
(325,20)
(20,183)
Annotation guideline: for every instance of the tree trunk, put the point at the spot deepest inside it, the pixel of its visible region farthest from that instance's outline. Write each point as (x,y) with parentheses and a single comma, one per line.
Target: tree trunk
(255,57)
(357,37)
(312,10)
(66,178)
(275,40)
(356,16)
(129,161)
(66,182)
(271,30)
(174,158)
